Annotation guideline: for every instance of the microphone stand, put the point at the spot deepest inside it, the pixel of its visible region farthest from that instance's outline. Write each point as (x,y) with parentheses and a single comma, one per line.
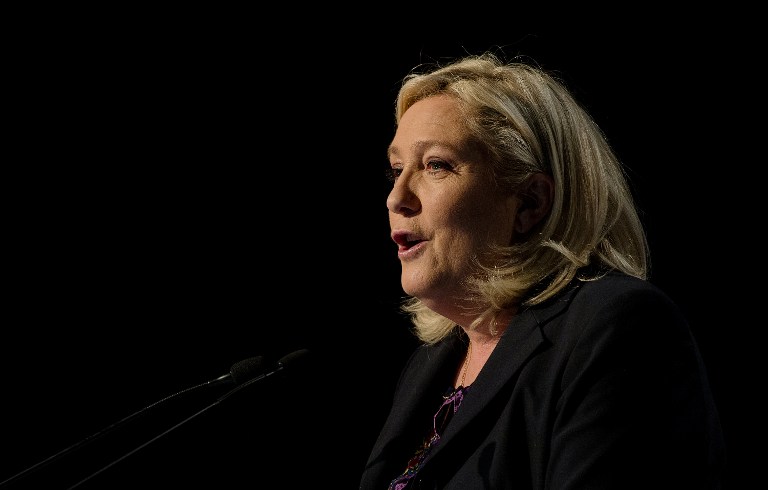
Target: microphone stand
(239,370)
(293,358)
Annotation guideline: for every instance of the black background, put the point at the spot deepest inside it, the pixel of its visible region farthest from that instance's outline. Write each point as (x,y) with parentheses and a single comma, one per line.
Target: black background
(186,192)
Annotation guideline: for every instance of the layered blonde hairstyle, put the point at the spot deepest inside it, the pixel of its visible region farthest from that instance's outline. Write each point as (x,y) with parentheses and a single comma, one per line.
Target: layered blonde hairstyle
(527,121)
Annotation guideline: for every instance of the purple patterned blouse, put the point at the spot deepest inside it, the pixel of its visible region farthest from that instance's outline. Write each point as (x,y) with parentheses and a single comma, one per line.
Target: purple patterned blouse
(448,408)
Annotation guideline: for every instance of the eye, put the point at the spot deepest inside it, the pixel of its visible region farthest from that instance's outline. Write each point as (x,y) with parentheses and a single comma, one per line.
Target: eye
(437,166)
(393,173)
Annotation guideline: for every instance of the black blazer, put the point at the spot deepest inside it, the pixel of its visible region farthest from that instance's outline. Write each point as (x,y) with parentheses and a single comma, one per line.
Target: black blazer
(602,387)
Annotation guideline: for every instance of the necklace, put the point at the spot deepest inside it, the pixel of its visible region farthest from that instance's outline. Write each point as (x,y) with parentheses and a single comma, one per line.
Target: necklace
(466,364)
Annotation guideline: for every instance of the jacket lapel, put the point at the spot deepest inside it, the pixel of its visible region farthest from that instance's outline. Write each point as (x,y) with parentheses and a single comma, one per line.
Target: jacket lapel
(516,345)
(431,370)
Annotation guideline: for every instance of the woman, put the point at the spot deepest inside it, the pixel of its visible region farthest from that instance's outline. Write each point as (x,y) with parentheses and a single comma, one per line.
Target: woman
(547,360)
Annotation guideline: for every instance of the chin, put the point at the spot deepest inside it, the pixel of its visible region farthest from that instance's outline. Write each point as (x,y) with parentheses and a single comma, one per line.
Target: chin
(417,290)
(410,288)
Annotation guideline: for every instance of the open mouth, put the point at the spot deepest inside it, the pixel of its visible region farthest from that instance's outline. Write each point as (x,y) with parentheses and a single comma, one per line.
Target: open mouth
(406,240)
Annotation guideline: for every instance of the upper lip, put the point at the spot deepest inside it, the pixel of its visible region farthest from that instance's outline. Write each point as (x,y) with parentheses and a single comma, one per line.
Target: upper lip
(405,238)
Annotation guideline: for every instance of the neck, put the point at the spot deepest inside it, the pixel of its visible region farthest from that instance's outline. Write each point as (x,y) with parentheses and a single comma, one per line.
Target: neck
(475,358)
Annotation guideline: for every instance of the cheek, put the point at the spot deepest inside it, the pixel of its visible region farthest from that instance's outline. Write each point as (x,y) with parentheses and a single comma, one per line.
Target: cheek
(486,221)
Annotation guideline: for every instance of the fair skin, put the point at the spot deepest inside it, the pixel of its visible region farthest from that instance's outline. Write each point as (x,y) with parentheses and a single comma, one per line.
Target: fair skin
(444,208)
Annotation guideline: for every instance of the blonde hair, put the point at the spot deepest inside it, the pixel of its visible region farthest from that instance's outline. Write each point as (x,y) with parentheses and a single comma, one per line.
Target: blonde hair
(529,122)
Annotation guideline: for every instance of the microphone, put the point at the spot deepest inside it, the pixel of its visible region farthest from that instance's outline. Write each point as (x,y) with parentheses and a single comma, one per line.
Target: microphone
(241,372)
(292,360)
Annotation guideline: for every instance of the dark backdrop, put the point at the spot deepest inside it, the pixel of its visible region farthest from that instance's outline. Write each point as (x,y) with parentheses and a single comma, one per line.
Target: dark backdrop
(185,195)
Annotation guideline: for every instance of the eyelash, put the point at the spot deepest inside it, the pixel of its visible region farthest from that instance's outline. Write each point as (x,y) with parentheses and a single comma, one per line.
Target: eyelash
(394,173)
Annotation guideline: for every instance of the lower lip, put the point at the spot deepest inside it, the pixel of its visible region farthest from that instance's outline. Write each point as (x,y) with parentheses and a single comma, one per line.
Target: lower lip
(411,252)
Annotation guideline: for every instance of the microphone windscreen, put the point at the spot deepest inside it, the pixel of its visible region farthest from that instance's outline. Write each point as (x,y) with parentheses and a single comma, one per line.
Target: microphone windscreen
(294,358)
(247,369)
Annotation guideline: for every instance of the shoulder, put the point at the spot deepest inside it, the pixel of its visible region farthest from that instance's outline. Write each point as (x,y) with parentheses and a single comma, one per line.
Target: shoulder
(622,292)
(618,327)
(614,305)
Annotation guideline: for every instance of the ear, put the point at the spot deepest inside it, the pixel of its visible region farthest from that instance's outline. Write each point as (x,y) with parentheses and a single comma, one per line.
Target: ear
(535,195)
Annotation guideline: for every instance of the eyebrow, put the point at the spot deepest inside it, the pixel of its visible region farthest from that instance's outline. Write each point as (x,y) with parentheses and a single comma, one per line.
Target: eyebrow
(418,146)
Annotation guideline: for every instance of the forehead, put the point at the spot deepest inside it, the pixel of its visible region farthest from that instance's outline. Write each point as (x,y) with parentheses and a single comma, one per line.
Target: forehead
(438,111)
(436,120)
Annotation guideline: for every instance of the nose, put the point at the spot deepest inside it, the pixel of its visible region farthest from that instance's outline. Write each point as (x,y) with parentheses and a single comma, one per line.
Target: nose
(402,198)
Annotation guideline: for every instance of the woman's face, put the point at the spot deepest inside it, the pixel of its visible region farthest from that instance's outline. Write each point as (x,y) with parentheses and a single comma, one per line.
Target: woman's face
(444,207)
